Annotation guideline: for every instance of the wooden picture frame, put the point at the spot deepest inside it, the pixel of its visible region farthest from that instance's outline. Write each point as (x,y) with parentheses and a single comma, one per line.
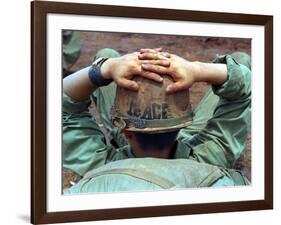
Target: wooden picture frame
(39,12)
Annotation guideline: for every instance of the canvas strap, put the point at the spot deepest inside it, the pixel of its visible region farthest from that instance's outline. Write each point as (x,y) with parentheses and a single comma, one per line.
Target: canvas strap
(147,176)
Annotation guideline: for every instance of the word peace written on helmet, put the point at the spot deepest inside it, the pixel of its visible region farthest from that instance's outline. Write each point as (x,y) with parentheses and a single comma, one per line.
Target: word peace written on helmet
(153,111)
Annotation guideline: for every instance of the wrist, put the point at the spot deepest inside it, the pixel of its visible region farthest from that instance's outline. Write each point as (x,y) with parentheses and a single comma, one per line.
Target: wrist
(197,71)
(95,73)
(107,68)
(215,74)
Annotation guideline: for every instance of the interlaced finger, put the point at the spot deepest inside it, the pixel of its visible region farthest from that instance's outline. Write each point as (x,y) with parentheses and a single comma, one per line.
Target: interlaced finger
(162,62)
(153,56)
(156,69)
(152,50)
(152,76)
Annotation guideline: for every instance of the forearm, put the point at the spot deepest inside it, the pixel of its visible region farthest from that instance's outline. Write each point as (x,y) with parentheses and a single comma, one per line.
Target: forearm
(224,137)
(78,85)
(215,74)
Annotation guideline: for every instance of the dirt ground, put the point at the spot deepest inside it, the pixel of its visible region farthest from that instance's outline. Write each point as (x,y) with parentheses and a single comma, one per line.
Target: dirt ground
(192,48)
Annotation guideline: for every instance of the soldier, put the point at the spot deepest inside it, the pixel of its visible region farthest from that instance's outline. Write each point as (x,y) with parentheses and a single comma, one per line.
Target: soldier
(71,50)
(167,148)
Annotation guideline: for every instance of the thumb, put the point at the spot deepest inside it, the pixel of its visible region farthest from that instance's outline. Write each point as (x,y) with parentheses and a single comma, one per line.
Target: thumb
(177,86)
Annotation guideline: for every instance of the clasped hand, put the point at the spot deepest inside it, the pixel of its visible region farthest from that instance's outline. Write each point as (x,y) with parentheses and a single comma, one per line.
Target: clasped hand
(151,64)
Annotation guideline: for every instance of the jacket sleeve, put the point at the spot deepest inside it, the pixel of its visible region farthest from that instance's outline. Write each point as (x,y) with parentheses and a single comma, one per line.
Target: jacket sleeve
(84,144)
(224,137)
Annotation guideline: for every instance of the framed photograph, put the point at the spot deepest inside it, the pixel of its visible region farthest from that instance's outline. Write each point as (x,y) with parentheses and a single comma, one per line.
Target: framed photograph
(83,168)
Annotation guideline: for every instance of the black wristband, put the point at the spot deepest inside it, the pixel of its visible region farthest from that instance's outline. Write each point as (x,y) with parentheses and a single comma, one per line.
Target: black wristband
(95,73)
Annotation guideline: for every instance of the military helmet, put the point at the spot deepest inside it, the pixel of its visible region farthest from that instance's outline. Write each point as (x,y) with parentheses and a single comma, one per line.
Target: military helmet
(150,109)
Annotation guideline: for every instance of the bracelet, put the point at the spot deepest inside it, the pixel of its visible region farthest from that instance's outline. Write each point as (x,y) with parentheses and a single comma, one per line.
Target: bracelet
(95,73)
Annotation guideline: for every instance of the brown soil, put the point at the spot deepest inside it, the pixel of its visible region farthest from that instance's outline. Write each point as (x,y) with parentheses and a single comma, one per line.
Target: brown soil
(192,48)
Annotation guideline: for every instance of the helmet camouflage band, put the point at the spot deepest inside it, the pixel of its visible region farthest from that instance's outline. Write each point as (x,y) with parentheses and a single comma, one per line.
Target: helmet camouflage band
(150,109)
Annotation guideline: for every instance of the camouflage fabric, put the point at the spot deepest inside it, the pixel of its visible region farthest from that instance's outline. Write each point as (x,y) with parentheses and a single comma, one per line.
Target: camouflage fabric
(217,136)
(106,53)
(71,48)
